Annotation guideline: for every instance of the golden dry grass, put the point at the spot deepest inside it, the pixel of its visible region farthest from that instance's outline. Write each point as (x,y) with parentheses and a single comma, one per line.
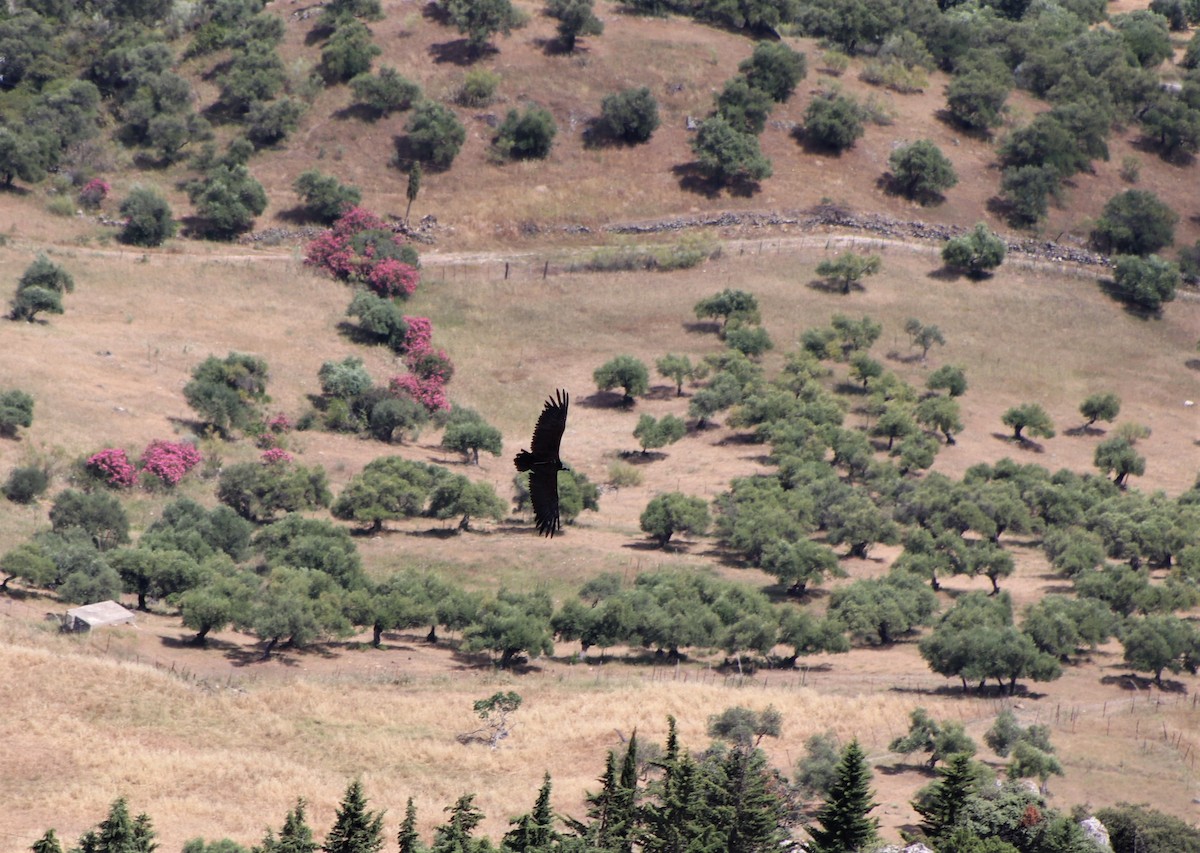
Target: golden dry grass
(87,722)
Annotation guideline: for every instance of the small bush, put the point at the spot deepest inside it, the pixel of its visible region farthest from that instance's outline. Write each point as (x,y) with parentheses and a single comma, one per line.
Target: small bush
(628,116)
(622,475)
(385,93)
(61,205)
(148,220)
(526,136)
(478,88)
(25,484)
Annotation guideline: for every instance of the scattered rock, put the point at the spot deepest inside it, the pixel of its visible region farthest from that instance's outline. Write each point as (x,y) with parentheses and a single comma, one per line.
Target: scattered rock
(1097,832)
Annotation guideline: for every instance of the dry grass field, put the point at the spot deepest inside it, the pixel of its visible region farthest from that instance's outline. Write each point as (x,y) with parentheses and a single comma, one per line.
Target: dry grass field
(195,736)
(213,742)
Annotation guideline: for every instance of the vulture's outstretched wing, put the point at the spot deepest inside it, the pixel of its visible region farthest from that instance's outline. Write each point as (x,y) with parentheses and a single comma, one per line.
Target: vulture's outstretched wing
(543,491)
(543,463)
(547,435)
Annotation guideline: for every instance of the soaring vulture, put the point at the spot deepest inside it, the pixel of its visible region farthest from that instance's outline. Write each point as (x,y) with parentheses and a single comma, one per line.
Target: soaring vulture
(543,463)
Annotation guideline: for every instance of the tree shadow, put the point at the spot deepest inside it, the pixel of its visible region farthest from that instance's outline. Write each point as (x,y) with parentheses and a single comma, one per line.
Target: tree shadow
(1192,364)
(320,32)
(945,273)
(13,189)
(702,327)
(955,691)
(1078,431)
(604,400)
(1023,442)
(460,52)
(662,392)
(826,286)
(692,179)
(554,47)
(1150,145)
(1139,683)
(357,112)
(640,457)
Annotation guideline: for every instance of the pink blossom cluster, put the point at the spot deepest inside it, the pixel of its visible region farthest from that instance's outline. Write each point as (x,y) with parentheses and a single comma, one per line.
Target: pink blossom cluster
(169,460)
(430,393)
(94,192)
(279,423)
(429,369)
(112,464)
(276,456)
(334,252)
(420,335)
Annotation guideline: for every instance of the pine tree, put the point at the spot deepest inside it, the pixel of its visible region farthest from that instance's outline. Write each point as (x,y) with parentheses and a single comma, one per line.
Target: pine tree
(48,843)
(115,833)
(355,830)
(408,839)
(455,836)
(143,835)
(295,836)
(533,830)
(947,797)
(671,823)
(844,825)
(754,821)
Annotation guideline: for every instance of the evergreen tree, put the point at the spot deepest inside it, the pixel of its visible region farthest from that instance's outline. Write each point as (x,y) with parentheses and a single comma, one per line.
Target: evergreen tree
(939,813)
(455,835)
(533,830)
(408,839)
(844,825)
(48,843)
(295,836)
(355,830)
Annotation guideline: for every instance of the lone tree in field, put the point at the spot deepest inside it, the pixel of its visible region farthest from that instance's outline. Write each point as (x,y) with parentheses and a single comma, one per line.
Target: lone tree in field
(227,393)
(624,372)
(324,196)
(729,305)
(950,378)
(469,435)
(673,513)
(975,252)
(148,218)
(629,116)
(921,172)
(923,336)
(575,18)
(1101,406)
(1031,417)
(1135,222)
(479,20)
(40,289)
(1146,282)
(844,825)
(848,269)
(658,433)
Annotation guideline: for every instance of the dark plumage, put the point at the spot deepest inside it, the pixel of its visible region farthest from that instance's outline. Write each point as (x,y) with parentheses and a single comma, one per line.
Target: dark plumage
(543,463)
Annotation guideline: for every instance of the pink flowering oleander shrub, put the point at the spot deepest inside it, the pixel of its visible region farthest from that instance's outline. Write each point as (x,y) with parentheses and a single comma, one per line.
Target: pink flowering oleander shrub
(279,423)
(430,393)
(112,465)
(169,460)
(276,456)
(420,335)
(361,248)
(94,192)
(431,365)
